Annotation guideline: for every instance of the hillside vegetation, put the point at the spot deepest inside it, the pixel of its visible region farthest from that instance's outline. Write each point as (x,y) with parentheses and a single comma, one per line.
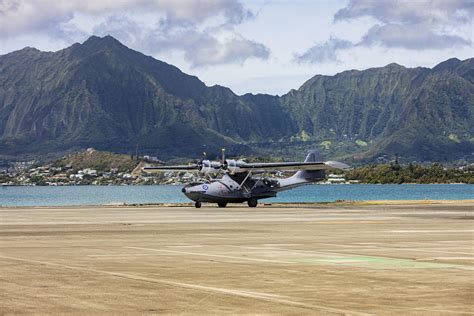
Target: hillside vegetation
(104,95)
(98,160)
(396,174)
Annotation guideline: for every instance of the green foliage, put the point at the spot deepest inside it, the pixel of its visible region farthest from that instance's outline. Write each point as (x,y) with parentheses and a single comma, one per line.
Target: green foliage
(393,109)
(4,178)
(361,143)
(454,138)
(101,94)
(326,144)
(38,180)
(394,173)
(99,160)
(304,136)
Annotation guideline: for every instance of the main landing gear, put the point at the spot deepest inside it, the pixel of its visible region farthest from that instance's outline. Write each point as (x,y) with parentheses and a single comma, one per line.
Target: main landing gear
(252,202)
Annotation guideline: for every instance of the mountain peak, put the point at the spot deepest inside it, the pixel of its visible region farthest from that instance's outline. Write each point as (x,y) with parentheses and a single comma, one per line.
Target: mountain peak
(394,65)
(26,52)
(447,64)
(106,41)
(106,38)
(30,49)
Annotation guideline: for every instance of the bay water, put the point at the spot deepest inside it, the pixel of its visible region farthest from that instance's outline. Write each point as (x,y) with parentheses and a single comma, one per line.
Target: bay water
(103,195)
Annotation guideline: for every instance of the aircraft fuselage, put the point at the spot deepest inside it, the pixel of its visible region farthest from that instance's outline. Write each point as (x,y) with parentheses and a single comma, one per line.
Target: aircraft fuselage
(229,189)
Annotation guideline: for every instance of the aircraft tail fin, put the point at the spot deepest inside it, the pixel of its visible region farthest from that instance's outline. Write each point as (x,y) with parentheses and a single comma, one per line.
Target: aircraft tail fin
(314,156)
(311,175)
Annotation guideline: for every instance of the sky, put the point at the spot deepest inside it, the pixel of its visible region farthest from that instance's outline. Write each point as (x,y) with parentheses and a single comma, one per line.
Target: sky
(257,46)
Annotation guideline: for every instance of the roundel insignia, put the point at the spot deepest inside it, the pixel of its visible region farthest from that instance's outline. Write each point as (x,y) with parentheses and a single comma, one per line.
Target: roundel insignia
(205,187)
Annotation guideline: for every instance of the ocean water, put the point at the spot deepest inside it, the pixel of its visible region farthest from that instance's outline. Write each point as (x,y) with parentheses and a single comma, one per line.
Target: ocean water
(100,195)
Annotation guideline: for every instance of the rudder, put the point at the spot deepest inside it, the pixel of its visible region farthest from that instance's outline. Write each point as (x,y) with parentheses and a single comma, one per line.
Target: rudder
(314,175)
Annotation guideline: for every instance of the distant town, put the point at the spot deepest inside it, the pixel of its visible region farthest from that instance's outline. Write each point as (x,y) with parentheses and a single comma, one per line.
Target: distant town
(93,167)
(23,174)
(67,175)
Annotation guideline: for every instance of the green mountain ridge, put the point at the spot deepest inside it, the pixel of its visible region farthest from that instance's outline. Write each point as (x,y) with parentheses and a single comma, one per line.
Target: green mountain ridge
(104,95)
(401,110)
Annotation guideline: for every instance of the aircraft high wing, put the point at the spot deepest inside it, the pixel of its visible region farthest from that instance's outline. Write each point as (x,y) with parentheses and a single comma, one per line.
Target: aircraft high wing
(169,168)
(240,166)
(204,166)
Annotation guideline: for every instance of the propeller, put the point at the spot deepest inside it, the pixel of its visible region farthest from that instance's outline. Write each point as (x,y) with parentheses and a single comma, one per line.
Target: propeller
(207,166)
(200,163)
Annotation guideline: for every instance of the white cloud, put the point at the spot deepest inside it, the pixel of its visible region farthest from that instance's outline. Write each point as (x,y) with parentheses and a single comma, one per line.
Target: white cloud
(202,49)
(323,52)
(410,37)
(408,24)
(409,11)
(178,32)
(188,26)
(30,16)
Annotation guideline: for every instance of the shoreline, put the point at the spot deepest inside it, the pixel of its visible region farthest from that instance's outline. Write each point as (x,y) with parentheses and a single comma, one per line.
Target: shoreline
(8,185)
(268,205)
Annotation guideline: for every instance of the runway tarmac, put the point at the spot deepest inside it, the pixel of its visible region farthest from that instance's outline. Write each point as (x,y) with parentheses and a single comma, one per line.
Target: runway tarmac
(314,259)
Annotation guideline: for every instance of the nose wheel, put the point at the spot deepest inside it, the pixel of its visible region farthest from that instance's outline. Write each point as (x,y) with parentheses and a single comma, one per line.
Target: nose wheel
(197,204)
(252,202)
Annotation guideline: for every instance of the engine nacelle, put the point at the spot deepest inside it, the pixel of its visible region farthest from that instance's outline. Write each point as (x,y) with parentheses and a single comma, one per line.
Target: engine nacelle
(235,166)
(207,166)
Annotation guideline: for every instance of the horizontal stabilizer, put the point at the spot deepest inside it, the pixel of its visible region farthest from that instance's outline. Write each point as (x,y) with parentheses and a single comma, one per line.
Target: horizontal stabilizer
(336,165)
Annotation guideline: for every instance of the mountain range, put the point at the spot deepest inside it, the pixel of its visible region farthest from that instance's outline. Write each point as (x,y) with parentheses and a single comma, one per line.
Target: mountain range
(104,95)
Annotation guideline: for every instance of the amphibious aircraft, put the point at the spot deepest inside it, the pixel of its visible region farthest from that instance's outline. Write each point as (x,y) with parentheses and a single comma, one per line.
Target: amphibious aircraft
(240,181)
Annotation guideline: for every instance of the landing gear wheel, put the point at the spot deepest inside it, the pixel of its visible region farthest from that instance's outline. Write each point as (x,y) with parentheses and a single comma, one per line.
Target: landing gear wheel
(197,204)
(222,204)
(252,202)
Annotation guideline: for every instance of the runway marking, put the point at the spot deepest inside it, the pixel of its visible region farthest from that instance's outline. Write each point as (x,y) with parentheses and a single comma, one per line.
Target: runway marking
(127,255)
(432,231)
(211,255)
(272,245)
(378,262)
(346,246)
(415,242)
(440,311)
(332,258)
(449,258)
(375,248)
(343,258)
(233,292)
(426,250)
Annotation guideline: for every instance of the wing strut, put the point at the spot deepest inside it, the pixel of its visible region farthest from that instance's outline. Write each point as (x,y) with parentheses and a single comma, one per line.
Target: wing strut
(245,179)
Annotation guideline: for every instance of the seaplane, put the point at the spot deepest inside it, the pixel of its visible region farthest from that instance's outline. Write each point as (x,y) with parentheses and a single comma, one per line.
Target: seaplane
(246,182)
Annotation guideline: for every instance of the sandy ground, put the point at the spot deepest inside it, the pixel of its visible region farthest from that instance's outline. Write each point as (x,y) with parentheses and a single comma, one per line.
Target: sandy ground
(353,259)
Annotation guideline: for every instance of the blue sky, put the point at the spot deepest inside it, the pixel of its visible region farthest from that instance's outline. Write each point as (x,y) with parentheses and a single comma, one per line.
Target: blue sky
(253,46)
